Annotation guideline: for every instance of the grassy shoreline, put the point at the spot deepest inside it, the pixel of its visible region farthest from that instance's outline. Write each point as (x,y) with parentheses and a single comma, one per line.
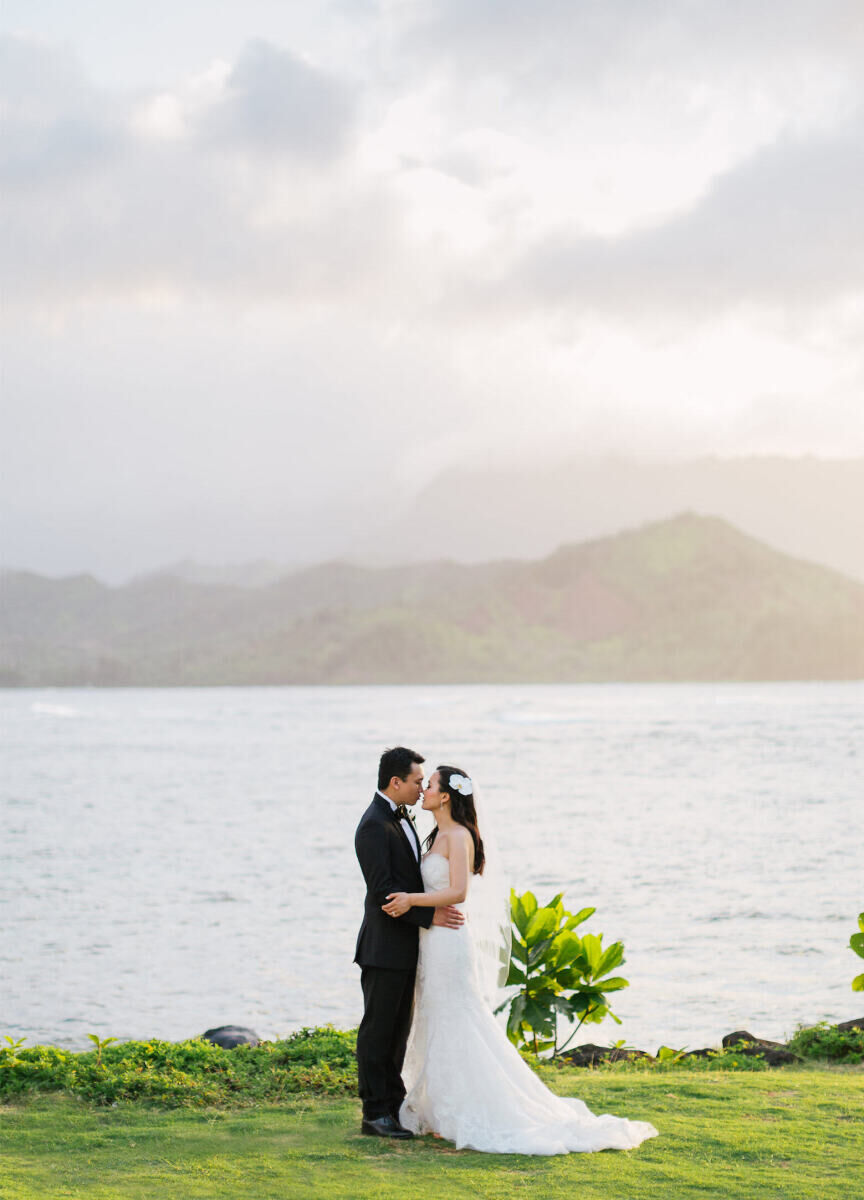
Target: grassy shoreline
(795,1133)
(190,1121)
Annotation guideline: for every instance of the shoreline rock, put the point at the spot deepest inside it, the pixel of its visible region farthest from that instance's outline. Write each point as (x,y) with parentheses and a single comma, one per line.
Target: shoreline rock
(229,1036)
(589,1054)
(849,1026)
(740,1041)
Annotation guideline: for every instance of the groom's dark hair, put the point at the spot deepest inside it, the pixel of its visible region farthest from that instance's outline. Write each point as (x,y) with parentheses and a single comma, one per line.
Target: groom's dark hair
(397,761)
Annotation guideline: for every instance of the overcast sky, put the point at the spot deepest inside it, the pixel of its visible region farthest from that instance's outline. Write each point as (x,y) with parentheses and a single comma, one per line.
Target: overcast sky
(267,264)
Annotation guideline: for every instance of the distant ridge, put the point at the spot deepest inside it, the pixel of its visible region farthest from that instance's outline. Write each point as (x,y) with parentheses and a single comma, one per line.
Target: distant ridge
(805,506)
(248,574)
(690,598)
(810,508)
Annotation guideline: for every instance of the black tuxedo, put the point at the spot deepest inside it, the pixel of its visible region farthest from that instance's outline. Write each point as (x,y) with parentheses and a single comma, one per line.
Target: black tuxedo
(387,955)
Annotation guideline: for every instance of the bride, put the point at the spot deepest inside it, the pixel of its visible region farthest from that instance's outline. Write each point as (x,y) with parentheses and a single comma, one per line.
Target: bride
(465,1080)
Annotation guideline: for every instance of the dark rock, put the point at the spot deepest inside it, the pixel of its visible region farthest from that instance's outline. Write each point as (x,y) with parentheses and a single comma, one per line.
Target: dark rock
(780,1057)
(588,1055)
(741,1035)
(744,1043)
(229,1036)
(848,1026)
(706,1052)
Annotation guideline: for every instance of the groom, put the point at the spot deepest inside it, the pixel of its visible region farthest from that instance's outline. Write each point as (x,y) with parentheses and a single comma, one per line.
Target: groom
(388,850)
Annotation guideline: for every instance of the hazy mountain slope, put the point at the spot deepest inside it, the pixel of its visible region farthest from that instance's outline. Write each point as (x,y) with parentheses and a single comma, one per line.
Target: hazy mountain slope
(688,598)
(807,507)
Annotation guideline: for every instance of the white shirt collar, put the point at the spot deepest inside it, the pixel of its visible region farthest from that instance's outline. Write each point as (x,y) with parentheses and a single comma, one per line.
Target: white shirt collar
(378,792)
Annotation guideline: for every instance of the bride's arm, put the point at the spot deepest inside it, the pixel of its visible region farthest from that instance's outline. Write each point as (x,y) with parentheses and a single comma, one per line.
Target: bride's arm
(398,903)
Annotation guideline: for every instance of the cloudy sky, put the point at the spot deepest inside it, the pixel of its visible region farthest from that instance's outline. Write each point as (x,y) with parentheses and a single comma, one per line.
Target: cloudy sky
(266,265)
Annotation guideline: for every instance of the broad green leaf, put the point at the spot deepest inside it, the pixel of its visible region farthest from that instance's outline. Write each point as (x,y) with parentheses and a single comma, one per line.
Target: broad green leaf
(593,948)
(539,1018)
(542,988)
(857,943)
(538,954)
(615,984)
(668,1054)
(519,951)
(578,918)
(542,923)
(514,1019)
(585,1000)
(514,976)
(568,947)
(611,958)
(517,1008)
(574,975)
(518,914)
(858,983)
(861,922)
(522,909)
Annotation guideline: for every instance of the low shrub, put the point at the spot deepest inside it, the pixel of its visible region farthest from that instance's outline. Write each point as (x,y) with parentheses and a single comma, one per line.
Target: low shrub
(827,1042)
(185,1074)
(722,1060)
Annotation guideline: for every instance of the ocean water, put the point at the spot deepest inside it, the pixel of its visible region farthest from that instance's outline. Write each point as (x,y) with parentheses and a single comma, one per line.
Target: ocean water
(173,859)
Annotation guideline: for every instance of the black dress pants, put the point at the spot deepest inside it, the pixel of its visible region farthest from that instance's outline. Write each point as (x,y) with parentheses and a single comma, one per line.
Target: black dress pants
(388,1001)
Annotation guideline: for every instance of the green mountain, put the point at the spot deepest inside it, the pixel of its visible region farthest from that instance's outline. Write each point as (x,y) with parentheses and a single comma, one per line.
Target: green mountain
(689,598)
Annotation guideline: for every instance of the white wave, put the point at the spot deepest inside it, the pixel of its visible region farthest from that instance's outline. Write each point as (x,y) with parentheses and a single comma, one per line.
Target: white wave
(537,718)
(56,710)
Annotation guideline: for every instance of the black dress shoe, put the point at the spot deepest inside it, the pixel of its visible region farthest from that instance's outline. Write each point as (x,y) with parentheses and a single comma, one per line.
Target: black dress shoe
(385,1127)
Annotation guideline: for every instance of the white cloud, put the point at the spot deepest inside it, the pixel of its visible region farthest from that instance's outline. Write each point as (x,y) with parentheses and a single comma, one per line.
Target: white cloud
(275,103)
(783,229)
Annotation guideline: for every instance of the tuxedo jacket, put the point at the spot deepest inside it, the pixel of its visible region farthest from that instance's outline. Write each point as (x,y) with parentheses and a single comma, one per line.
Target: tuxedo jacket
(389,864)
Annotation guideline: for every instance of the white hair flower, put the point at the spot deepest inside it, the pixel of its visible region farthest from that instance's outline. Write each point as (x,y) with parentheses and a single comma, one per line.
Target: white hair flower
(462,785)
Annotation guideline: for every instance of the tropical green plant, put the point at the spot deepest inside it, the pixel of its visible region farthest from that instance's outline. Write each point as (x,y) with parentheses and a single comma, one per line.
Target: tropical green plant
(100,1044)
(857,943)
(9,1052)
(558,974)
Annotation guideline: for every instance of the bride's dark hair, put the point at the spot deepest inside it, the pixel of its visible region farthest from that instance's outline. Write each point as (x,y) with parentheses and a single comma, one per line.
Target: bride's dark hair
(463,812)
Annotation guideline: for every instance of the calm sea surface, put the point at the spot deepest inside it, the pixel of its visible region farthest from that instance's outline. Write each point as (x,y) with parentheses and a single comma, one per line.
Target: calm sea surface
(176,859)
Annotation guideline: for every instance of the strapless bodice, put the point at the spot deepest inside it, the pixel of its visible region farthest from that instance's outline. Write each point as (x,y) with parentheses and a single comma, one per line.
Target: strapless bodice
(435,870)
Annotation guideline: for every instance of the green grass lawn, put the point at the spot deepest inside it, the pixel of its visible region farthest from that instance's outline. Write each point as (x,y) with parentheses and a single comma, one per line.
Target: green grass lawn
(790,1134)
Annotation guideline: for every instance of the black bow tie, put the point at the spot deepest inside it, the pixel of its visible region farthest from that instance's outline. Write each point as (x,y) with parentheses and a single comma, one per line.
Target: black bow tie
(401,813)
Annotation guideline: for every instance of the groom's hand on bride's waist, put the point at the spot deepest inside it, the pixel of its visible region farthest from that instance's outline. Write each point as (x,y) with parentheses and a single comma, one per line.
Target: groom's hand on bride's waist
(449,917)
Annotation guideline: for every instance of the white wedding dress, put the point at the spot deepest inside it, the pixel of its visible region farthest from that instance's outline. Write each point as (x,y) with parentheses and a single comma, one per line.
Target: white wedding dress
(466,1081)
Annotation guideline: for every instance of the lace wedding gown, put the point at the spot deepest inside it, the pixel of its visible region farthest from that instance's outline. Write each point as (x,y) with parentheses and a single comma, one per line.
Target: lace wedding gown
(466,1081)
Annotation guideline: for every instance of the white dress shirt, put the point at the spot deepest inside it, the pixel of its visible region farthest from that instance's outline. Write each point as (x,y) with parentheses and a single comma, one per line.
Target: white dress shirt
(408,829)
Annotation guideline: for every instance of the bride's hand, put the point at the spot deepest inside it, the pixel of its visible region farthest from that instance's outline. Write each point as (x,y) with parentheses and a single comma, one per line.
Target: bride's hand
(397,904)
